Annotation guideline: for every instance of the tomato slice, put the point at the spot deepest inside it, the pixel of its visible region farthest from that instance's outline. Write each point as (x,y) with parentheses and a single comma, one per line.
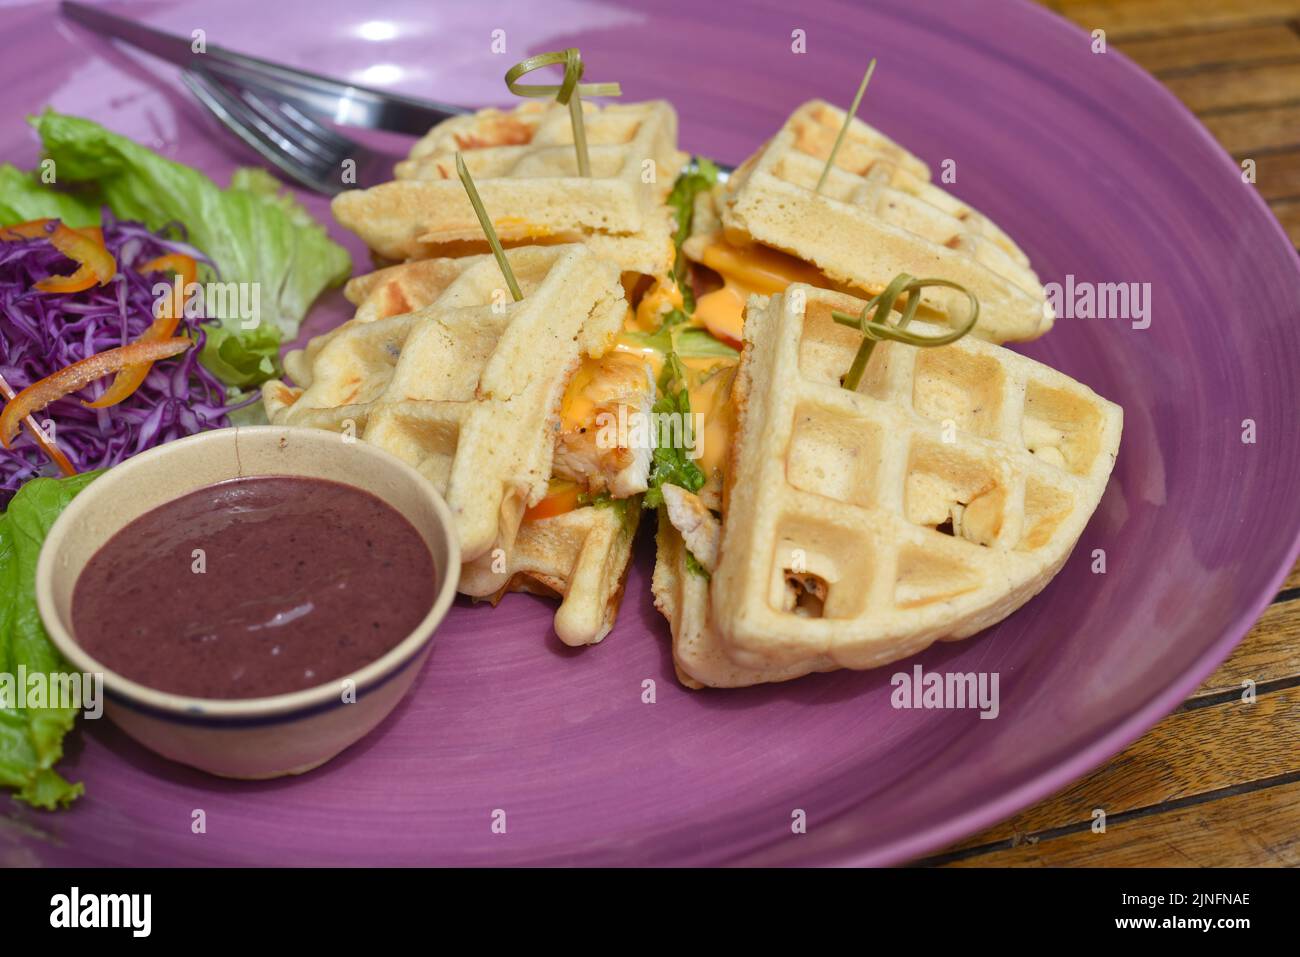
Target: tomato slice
(164,324)
(73,377)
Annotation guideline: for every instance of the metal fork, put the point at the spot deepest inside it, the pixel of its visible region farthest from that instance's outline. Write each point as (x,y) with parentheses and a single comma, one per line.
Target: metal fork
(306,151)
(303,149)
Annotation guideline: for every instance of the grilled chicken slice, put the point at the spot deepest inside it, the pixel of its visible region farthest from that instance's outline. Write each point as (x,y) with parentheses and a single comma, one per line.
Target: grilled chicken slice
(699,527)
(591,447)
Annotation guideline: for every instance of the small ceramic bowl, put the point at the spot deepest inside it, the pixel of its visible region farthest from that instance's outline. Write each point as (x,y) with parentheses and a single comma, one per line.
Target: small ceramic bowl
(251,737)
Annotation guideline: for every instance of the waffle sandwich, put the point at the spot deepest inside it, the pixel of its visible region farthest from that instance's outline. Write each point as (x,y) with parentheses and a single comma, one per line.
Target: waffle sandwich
(524,166)
(876,215)
(439,367)
(859,527)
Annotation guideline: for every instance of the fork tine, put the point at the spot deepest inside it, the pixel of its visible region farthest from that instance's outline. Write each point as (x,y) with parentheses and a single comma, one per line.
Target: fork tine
(264,120)
(323,134)
(270,142)
(287,128)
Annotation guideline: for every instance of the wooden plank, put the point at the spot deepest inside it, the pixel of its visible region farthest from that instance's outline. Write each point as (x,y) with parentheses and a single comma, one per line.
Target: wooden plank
(1137,18)
(1270,653)
(1269,85)
(1277,175)
(1259,827)
(1189,753)
(1288,215)
(1250,131)
(1218,782)
(1236,47)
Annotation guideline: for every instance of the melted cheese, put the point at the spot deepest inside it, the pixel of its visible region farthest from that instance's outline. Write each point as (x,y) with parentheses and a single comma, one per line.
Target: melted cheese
(577,408)
(600,385)
(710,394)
(628,346)
(663,296)
(722,311)
(516,227)
(562,496)
(744,272)
(709,378)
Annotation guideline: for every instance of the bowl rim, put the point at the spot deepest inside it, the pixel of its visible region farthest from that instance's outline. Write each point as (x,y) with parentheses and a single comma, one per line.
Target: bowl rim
(314,699)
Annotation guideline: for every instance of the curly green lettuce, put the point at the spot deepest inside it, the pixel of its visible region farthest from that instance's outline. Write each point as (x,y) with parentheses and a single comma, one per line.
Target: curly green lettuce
(25,195)
(700,177)
(672,465)
(31,739)
(253,231)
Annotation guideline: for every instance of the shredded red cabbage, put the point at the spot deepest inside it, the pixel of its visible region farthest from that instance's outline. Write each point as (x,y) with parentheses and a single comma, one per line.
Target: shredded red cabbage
(41,333)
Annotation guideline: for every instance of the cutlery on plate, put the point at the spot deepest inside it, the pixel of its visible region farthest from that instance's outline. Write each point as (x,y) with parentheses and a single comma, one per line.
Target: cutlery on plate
(346,104)
(278,110)
(287,137)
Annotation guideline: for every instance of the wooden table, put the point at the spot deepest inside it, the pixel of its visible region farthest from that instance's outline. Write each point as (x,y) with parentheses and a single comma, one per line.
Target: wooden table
(1217,783)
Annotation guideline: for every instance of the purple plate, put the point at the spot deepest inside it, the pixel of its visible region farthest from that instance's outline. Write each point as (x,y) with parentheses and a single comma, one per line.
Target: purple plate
(1089,163)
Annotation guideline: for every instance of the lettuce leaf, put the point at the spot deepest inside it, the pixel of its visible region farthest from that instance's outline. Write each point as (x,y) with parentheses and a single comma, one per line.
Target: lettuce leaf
(242,357)
(23,196)
(671,465)
(674,338)
(694,567)
(31,739)
(700,177)
(253,231)
(696,343)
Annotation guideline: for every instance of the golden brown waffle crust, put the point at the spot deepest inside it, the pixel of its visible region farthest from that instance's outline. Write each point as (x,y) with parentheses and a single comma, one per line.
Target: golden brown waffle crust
(466,389)
(876,216)
(843,485)
(699,657)
(524,167)
(581,556)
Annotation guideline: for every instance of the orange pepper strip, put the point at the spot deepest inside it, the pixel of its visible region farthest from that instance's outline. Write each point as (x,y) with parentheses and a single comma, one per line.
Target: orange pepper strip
(73,377)
(165,322)
(79,281)
(32,229)
(47,446)
(97,263)
(560,498)
(181,265)
(39,229)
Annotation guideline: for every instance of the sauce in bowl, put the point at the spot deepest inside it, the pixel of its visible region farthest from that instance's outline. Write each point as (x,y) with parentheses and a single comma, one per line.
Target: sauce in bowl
(254,587)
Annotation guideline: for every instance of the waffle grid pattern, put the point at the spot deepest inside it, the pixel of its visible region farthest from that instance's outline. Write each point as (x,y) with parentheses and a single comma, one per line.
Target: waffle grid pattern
(465,388)
(535,140)
(878,215)
(929,504)
(525,169)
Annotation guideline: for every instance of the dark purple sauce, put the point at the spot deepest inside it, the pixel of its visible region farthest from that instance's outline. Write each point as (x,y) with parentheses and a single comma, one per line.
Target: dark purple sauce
(302,581)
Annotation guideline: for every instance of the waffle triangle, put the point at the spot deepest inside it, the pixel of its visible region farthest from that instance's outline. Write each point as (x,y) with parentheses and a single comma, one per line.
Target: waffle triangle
(525,169)
(580,556)
(859,527)
(878,215)
(467,388)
